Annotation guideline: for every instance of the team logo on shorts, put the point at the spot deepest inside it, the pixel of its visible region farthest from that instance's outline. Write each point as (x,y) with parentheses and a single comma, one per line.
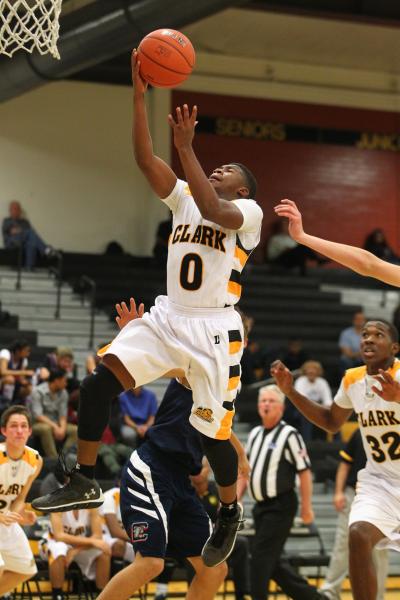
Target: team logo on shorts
(204,413)
(138,532)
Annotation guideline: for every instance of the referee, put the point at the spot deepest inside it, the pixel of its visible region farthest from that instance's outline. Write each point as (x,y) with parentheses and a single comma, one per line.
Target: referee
(276,453)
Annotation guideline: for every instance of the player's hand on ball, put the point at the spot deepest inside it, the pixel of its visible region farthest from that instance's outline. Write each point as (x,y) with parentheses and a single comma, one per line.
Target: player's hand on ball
(184,126)
(287,208)
(282,376)
(139,84)
(126,315)
(389,389)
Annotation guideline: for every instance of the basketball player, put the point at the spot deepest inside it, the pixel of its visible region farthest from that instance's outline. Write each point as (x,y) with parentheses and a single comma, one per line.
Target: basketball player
(19,467)
(195,329)
(160,509)
(113,531)
(373,392)
(357,259)
(76,536)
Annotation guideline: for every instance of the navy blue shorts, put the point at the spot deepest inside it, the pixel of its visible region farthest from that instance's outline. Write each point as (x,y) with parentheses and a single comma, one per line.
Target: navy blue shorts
(159,508)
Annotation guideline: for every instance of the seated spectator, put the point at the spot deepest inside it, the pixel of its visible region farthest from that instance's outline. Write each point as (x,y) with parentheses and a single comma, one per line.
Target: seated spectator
(376,243)
(63,358)
(76,536)
(160,249)
(113,454)
(294,356)
(312,385)
(17,232)
(113,530)
(15,375)
(49,409)
(349,343)
(284,251)
(138,409)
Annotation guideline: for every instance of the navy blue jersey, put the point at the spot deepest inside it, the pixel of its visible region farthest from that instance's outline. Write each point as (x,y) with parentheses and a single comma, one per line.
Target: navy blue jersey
(172,433)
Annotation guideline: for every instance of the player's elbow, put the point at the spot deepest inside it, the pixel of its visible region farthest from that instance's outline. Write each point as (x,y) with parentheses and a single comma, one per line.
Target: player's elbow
(366,263)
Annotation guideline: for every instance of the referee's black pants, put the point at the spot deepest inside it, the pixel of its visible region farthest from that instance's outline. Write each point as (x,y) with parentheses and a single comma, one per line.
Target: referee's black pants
(272,520)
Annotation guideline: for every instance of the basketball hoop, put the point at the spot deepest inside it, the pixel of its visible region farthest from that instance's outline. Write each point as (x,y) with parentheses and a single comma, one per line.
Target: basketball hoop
(29,25)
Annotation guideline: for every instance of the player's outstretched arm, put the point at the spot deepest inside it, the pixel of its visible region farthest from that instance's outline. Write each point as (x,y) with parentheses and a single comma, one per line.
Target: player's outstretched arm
(211,207)
(330,419)
(359,260)
(160,176)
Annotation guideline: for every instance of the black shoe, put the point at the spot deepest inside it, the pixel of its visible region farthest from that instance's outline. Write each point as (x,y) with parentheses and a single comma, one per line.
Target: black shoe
(79,492)
(222,540)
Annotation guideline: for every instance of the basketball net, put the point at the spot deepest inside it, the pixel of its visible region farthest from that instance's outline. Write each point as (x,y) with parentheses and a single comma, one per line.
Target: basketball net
(29,25)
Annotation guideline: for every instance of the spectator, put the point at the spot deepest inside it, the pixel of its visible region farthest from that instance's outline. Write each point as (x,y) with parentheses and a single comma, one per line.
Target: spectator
(63,358)
(113,455)
(294,356)
(17,232)
(160,249)
(377,244)
(15,376)
(138,408)
(49,410)
(312,385)
(284,251)
(352,460)
(349,343)
(279,455)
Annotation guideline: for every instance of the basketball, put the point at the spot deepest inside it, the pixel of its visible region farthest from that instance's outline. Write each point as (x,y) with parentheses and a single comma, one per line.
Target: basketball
(166,57)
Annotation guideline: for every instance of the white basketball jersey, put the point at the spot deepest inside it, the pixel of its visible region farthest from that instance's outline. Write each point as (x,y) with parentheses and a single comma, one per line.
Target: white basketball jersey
(110,506)
(379,420)
(205,260)
(14,474)
(74,522)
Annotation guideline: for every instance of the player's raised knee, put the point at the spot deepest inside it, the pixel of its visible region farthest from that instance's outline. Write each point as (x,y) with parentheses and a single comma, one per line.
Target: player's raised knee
(359,536)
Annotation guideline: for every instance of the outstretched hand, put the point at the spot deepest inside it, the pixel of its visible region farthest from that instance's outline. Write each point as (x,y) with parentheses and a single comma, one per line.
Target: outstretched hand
(282,376)
(287,208)
(139,84)
(184,126)
(390,388)
(125,314)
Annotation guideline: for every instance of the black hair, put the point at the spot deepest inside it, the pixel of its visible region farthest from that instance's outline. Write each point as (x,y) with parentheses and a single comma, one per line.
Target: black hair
(19,344)
(392,329)
(251,181)
(16,409)
(56,374)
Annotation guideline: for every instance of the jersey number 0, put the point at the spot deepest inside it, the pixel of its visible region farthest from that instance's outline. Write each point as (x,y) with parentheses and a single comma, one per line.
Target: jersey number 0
(191,275)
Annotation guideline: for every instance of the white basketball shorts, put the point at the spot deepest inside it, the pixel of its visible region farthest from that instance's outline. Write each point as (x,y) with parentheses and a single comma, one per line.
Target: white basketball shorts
(129,554)
(50,550)
(377,501)
(207,343)
(15,552)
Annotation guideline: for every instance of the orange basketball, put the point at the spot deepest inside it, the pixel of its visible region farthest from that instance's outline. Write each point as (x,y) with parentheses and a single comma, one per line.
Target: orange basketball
(166,57)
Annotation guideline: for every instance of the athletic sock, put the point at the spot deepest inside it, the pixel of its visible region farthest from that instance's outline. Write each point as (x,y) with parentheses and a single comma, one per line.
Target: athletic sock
(228,510)
(86,470)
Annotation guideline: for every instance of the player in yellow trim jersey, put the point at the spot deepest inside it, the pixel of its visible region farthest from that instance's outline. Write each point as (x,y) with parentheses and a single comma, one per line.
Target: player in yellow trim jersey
(372,392)
(19,467)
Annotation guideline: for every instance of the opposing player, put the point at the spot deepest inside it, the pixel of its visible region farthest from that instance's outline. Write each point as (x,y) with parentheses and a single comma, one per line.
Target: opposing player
(357,259)
(373,392)
(195,329)
(19,467)
(159,507)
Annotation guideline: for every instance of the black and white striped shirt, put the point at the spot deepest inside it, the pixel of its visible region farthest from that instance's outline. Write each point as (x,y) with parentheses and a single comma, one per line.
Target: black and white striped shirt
(276,456)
